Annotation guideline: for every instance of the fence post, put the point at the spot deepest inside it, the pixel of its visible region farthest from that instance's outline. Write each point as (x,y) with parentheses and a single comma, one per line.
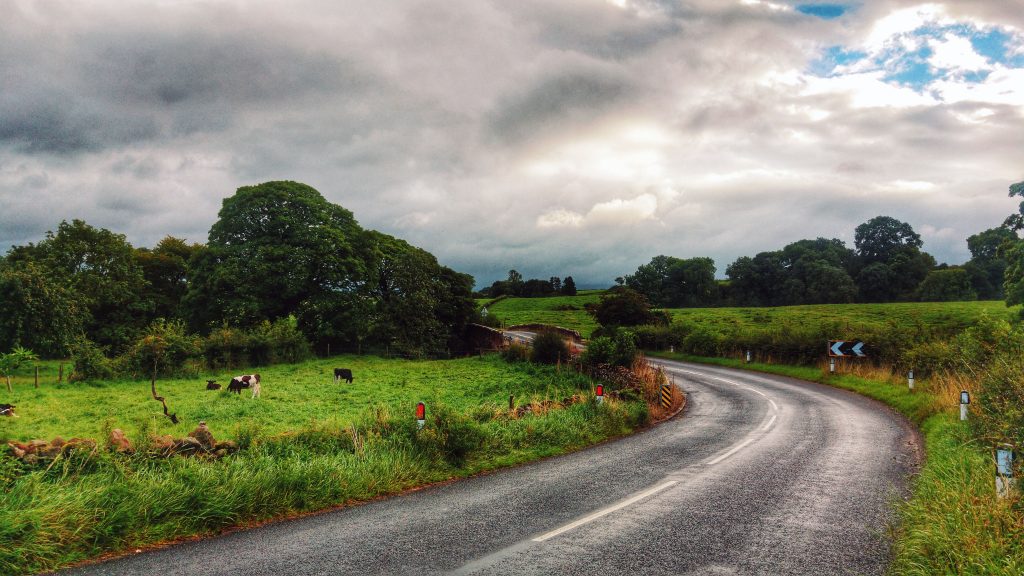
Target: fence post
(37,376)
(60,375)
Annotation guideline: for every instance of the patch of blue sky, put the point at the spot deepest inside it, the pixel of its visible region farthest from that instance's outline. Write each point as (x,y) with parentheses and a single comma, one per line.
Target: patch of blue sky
(823,11)
(998,47)
(834,56)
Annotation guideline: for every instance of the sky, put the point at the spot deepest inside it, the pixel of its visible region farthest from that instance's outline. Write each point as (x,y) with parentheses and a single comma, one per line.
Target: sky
(558,138)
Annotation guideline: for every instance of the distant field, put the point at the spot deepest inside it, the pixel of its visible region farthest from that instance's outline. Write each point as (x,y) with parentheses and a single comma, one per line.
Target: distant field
(941,317)
(546,311)
(948,317)
(293,396)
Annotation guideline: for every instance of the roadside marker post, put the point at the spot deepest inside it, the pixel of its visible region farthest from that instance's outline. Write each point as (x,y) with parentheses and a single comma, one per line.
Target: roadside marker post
(599,395)
(748,356)
(672,348)
(965,399)
(1004,470)
(910,380)
(832,365)
(421,415)
(666,396)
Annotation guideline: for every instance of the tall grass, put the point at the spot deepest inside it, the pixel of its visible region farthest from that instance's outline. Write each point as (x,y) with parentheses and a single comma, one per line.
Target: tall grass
(88,503)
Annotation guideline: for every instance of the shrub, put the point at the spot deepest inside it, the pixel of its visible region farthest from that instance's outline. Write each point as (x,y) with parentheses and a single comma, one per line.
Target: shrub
(89,362)
(549,348)
(165,343)
(599,351)
(226,347)
(515,352)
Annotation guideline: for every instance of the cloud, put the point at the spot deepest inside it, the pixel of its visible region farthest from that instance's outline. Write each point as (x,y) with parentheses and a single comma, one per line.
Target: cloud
(577,138)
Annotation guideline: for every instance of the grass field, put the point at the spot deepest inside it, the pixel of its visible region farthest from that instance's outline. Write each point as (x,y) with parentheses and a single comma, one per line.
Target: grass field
(305,445)
(564,311)
(940,318)
(293,396)
(948,317)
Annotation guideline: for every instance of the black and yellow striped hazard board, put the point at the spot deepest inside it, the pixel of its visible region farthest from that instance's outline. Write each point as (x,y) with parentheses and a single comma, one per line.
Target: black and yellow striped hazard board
(666,396)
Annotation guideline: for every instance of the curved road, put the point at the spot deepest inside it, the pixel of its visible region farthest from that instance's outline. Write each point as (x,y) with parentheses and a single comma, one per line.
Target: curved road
(762,475)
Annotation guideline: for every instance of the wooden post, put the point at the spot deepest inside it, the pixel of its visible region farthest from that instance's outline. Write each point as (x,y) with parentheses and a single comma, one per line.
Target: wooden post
(37,376)
(9,389)
(60,375)
(511,402)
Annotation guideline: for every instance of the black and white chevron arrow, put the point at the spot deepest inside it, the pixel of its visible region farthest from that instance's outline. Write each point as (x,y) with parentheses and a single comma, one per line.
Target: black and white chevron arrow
(843,348)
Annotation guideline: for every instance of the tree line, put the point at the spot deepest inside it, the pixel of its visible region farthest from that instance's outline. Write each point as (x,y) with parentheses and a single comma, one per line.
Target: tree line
(278,252)
(532,288)
(886,264)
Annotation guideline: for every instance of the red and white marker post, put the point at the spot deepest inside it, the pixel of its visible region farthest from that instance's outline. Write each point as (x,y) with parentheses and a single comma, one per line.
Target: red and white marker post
(421,415)
(599,395)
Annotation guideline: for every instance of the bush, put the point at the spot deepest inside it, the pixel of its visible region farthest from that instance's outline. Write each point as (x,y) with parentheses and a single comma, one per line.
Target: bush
(515,352)
(620,349)
(280,341)
(175,352)
(89,362)
(549,348)
(226,347)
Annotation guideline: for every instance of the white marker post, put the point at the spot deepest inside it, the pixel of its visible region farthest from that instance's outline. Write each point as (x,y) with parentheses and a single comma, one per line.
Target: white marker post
(832,365)
(748,356)
(965,399)
(599,395)
(421,415)
(910,380)
(1004,471)
(672,348)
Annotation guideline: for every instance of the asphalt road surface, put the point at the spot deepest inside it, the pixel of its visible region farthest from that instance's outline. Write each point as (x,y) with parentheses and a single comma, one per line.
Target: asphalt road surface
(761,475)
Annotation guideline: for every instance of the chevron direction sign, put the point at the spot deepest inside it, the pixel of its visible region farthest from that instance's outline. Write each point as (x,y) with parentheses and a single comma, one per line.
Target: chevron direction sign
(846,348)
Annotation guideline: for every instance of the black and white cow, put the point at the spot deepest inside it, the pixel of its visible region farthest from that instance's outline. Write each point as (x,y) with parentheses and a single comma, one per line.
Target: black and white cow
(7,410)
(247,381)
(343,374)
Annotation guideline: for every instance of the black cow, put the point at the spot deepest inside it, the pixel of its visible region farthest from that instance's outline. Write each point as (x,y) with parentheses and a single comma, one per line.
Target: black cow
(343,374)
(212,385)
(7,410)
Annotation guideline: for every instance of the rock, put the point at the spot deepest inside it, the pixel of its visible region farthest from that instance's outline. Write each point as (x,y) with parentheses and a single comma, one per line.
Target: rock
(186,446)
(228,446)
(205,438)
(118,442)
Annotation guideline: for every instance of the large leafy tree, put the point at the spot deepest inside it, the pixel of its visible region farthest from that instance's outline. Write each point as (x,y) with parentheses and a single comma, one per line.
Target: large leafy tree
(38,313)
(623,306)
(879,239)
(166,268)
(100,269)
(988,263)
(675,282)
(274,247)
(949,285)
(1013,281)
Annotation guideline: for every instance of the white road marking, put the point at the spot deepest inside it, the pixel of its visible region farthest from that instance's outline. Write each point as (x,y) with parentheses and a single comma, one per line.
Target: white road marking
(605,511)
(734,450)
(740,446)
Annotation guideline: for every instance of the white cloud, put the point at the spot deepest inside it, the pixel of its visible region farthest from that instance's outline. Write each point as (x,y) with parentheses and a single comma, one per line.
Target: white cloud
(956,53)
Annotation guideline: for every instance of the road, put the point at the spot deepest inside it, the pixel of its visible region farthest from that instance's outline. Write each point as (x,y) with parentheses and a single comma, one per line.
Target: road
(761,475)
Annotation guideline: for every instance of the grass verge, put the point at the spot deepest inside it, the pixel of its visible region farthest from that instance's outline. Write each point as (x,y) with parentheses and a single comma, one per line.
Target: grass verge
(953,523)
(87,503)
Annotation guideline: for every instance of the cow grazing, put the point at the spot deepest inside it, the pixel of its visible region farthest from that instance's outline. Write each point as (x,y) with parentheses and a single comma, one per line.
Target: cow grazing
(7,410)
(212,385)
(251,381)
(343,374)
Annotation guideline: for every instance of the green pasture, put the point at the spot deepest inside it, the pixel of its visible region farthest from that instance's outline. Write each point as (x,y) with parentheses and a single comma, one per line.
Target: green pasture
(564,311)
(293,396)
(945,317)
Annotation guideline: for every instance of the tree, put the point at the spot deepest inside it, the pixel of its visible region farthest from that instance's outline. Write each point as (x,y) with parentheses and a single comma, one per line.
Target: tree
(950,285)
(758,281)
(623,307)
(99,268)
(568,286)
(166,268)
(37,312)
(1013,252)
(878,239)
(988,264)
(274,247)
(876,283)
(556,284)
(13,360)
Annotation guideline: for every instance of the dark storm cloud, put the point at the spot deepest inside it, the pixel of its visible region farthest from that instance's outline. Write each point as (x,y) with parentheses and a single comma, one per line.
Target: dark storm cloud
(557,103)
